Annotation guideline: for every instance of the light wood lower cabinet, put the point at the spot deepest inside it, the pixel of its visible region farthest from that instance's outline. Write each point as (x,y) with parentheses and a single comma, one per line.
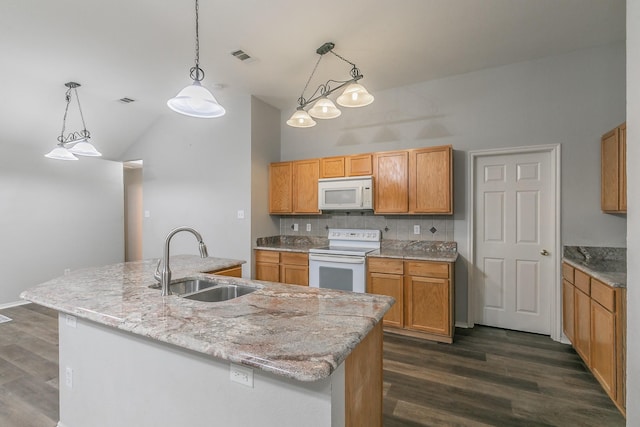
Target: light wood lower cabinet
(594,320)
(285,267)
(232,272)
(423,291)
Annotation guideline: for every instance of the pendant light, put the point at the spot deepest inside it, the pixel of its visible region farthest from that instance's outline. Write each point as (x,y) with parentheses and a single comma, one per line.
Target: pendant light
(75,143)
(195,100)
(354,95)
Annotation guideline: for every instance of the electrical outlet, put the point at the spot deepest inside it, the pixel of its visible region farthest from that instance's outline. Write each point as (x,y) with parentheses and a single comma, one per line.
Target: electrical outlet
(308,227)
(68,377)
(240,214)
(67,271)
(241,375)
(416,229)
(70,320)
(295,227)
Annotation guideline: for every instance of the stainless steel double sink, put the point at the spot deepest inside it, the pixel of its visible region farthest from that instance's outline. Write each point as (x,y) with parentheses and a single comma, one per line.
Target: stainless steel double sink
(209,289)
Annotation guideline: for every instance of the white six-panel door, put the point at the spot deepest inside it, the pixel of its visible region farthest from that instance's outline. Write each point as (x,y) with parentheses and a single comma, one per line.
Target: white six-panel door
(514,239)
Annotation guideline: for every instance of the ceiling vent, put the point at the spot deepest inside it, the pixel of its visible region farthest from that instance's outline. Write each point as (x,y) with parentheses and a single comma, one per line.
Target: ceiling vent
(126,100)
(241,55)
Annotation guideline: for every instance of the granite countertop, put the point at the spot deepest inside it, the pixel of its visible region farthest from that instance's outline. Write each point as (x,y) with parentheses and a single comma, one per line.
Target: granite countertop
(422,250)
(292,331)
(609,265)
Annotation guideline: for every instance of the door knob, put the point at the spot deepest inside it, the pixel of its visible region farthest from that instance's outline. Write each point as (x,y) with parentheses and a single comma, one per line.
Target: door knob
(544,252)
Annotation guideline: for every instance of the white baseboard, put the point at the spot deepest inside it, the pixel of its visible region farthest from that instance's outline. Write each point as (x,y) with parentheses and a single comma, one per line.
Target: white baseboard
(13,304)
(462,325)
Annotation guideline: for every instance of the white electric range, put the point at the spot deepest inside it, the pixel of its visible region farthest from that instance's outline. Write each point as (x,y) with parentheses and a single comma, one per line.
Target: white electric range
(341,265)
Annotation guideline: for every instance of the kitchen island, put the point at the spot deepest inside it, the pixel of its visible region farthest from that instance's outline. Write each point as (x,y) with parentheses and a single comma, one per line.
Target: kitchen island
(281,356)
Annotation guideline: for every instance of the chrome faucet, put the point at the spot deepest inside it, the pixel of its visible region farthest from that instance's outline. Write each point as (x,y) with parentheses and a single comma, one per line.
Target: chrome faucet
(165,277)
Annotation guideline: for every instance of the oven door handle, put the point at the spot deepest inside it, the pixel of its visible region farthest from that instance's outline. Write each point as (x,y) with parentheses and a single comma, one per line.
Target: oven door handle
(337,259)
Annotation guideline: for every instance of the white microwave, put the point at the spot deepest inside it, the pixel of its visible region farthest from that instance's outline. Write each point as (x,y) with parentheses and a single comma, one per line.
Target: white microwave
(351,193)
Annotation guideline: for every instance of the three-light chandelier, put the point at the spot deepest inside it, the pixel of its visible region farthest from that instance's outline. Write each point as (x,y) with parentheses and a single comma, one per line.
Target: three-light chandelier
(75,143)
(354,95)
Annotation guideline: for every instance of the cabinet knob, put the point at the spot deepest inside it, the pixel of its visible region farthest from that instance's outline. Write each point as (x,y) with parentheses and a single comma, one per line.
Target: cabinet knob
(544,252)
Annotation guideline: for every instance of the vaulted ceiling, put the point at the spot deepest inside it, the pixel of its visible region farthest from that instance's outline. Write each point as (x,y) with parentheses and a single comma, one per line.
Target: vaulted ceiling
(143,49)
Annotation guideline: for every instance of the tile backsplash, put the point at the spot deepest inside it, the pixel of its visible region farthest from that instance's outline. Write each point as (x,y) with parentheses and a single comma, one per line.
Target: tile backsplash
(393,227)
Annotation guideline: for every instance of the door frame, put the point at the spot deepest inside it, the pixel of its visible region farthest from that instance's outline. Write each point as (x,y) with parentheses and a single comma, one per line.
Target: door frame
(555,309)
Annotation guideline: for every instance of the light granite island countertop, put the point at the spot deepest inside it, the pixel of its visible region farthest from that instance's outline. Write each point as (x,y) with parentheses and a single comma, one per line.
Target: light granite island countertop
(292,341)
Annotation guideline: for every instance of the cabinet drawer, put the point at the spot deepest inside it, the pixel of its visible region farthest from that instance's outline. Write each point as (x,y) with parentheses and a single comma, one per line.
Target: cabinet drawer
(567,273)
(582,281)
(603,294)
(385,265)
(295,258)
(427,269)
(268,256)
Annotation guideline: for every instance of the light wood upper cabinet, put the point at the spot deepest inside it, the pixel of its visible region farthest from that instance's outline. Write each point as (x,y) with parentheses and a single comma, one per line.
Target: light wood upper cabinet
(305,186)
(391,186)
(332,167)
(613,191)
(280,187)
(359,165)
(345,166)
(431,180)
(293,187)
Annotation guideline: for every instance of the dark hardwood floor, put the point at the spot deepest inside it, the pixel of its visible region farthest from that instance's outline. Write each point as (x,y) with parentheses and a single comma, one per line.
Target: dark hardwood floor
(487,377)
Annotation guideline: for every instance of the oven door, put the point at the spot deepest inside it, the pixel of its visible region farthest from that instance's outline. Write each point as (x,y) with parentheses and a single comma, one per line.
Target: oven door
(343,272)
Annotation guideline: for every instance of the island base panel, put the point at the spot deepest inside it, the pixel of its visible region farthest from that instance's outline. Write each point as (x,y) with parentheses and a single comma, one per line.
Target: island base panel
(113,378)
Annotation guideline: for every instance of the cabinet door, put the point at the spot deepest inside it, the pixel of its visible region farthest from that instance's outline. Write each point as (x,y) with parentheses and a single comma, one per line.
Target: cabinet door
(391,285)
(427,305)
(305,186)
(622,187)
(332,167)
(391,186)
(280,187)
(430,180)
(610,173)
(568,311)
(582,324)
(360,165)
(267,271)
(603,355)
(294,274)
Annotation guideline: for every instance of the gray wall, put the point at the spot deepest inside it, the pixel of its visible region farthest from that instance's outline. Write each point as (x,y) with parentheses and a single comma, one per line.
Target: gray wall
(265,148)
(570,100)
(198,173)
(56,215)
(633,204)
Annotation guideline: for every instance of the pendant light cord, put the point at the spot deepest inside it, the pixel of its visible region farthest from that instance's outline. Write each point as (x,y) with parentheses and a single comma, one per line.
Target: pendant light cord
(196,72)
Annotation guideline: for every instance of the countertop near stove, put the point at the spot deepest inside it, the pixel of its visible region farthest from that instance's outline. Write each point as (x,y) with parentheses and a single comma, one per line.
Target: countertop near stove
(421,250)
(609,265)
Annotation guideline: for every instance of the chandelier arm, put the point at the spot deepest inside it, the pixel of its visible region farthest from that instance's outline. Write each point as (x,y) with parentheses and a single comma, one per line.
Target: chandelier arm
(327,91)
(85,132)
(67,97)
(301,100)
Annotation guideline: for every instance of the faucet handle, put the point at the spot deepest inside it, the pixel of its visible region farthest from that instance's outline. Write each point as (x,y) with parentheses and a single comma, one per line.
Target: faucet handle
(157,274)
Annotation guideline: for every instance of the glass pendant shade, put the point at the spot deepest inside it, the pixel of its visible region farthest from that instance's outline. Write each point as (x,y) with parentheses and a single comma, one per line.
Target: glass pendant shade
(324,108)
(355,95)
(85,148)
(196,101)
(301,119)
(60,153)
